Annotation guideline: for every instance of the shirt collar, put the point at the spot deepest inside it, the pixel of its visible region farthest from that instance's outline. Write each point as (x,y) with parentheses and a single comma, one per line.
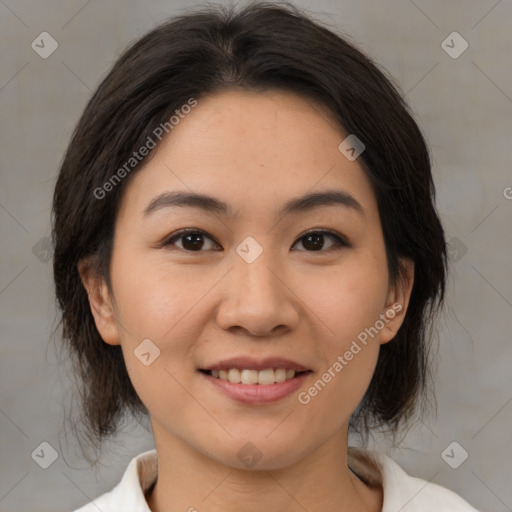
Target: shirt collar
(142,472)
(139,476)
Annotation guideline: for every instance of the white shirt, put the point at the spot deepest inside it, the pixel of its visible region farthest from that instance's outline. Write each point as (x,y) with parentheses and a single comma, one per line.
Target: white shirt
(401,491)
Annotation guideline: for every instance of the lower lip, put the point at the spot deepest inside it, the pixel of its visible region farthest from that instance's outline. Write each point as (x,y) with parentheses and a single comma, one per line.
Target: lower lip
(257,393)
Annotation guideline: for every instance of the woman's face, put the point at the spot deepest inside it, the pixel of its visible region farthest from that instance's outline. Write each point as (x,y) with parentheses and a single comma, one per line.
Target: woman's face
(249,291)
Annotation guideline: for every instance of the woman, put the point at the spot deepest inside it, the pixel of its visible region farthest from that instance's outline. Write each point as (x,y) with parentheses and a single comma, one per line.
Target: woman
(247,250)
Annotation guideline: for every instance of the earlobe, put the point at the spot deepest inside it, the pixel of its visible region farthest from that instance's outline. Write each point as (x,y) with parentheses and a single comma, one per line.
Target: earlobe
(100,302)
(398,302)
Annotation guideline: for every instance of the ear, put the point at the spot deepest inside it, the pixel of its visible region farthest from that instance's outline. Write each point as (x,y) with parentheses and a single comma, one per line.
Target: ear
(397,302)
(100,302)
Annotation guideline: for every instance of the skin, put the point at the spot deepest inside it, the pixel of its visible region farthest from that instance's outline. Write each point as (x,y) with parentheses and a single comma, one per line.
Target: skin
(254,151)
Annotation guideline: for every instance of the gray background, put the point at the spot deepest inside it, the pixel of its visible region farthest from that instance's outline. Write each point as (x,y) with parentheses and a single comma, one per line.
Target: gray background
(464,106)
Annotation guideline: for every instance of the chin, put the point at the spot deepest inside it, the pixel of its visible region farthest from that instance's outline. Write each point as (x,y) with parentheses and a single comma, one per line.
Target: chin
(260,453)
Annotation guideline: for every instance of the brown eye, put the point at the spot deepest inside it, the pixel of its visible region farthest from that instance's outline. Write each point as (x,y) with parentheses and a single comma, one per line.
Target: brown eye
(314,241)
(192,240)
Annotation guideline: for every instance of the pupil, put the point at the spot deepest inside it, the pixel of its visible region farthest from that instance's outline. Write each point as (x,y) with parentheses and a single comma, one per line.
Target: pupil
(317,239)
(196,240)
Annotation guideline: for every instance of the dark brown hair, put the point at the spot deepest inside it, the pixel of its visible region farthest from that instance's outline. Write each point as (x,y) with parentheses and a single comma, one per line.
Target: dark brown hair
(262,46)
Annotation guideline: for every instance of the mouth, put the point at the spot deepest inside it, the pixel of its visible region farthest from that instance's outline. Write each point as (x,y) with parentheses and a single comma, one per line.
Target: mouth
(247,376)
(256,382)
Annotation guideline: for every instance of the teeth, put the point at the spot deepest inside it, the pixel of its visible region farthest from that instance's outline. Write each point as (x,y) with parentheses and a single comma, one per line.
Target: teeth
(234,375)
(280,374)
(266,377)
(263,377)
(249,377)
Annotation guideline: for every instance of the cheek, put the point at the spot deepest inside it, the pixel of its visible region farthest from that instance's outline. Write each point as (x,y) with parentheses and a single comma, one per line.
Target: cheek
(157,302)
(351,298)
(155,299)
(348,305)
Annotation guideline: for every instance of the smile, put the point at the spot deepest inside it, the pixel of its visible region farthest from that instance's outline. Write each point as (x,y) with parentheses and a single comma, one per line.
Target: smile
(264,377)
(269,388)
(252,380)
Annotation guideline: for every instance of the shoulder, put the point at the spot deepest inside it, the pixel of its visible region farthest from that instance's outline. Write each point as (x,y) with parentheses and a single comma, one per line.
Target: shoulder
(128,494)
(407,493)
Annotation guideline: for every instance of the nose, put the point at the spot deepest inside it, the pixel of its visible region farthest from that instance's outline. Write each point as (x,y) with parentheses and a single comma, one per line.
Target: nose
(257,299)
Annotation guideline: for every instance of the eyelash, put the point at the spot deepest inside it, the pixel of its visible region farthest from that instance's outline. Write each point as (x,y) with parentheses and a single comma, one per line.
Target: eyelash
(340,240)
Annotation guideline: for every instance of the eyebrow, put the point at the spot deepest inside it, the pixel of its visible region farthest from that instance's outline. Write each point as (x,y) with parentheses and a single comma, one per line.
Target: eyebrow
(211,204)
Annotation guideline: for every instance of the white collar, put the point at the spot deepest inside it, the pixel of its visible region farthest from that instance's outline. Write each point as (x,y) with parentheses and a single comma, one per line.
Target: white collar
(401,491)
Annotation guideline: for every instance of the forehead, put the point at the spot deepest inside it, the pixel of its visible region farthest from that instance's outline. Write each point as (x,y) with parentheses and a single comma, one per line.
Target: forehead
(251,117)
(252,148)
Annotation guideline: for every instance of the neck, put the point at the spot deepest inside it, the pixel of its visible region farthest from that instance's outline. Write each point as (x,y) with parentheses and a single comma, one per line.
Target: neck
(191,481)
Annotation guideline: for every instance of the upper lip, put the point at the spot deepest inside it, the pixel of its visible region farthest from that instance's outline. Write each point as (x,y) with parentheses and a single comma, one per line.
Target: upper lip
(251,363)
